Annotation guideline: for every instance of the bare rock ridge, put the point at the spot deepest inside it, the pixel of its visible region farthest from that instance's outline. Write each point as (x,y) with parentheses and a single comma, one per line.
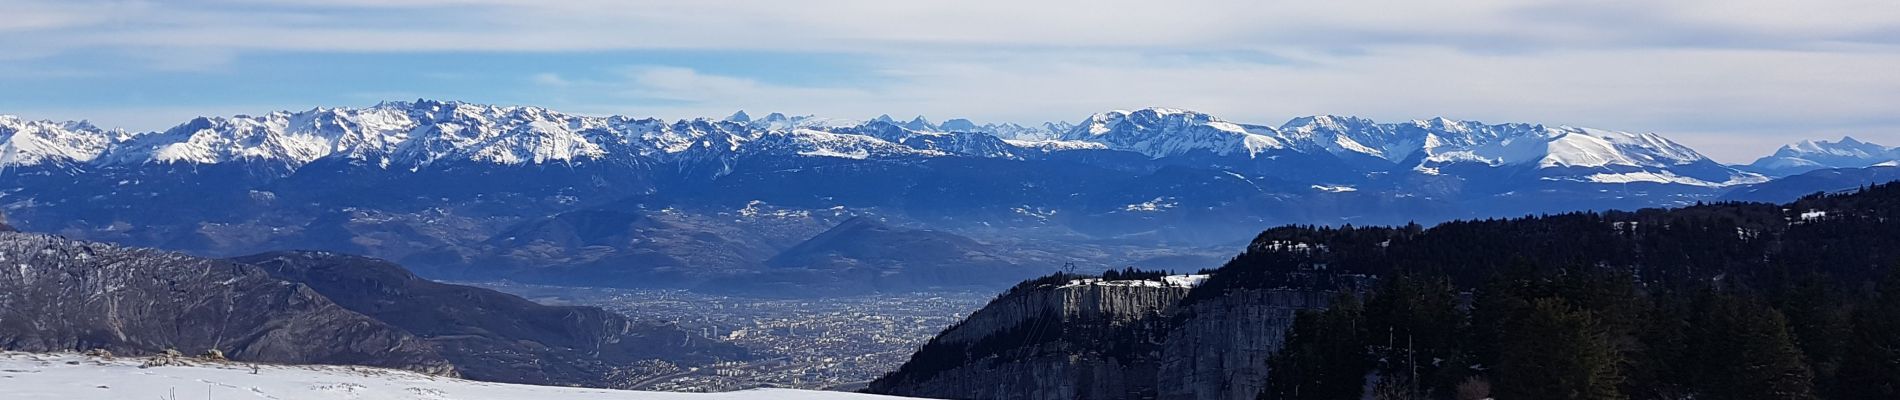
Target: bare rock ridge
(1044,341)
(67,295)
(1071,337)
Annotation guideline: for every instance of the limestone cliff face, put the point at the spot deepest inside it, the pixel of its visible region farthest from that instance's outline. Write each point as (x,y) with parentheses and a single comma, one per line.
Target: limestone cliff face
(1095,302)
(1107,340)
(1220,347)
(1089,340)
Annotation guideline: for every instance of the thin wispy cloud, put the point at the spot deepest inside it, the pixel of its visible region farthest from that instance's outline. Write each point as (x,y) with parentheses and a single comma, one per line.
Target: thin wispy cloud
(1755,69)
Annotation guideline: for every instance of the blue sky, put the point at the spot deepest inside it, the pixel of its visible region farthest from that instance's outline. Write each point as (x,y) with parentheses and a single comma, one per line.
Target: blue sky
(1732,78)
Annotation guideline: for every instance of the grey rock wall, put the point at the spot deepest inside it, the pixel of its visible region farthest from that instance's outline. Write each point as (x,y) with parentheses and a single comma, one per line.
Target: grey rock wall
(1118,342)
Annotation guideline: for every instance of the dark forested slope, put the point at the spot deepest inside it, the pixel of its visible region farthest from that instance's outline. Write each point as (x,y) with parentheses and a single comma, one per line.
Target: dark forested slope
(1728,301)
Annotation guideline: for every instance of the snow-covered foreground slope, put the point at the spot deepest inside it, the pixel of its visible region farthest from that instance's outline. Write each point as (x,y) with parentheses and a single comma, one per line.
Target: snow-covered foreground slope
(78,377)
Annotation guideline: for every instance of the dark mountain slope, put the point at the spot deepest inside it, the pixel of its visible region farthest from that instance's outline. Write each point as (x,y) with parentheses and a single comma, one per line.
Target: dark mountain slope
(1844,235)
(1826,180)
(495,336)
(1796,272)
(863,254)
(66,295)
(642,242)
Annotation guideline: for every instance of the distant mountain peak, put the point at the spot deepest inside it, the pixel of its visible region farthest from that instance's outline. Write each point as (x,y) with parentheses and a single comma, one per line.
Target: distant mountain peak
(1328,121)
(423,132)
(1165,132)
(958,125)
(920,124)
(28,142)
(1810,155)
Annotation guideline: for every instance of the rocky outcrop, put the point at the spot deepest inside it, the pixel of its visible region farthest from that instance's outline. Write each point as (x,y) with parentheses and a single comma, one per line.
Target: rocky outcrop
(1089,339)
(66,295)
(1065,340)
(1218,350)
(496,336)
(1109,304)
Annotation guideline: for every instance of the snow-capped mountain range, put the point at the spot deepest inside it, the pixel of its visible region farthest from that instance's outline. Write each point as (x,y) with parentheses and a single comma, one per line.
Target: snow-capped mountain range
(1810,155)
(472,191)
(410,135)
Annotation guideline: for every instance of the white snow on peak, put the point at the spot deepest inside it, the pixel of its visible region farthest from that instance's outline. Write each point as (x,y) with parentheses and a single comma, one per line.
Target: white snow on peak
(1156,205)
(1658,177)
(809,122)
(1165,132)
(1184,281)
(816,143)
(1055,145)
(1349,135)
(412,134)
(416,133)
(25,143)
(1809,155)
(1563,147)
(1847,146)
(75,377)
(424,132)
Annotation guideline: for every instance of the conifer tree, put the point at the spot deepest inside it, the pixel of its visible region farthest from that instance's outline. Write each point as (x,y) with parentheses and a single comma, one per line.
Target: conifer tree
(1324,356)
(1741,350)
(1871,370)
(1414,324)
(1557,352)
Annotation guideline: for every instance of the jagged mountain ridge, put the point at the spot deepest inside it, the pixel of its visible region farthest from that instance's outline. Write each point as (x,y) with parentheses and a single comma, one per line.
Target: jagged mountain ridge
(47,142)
(1810,155)
(467,191)
(399,135)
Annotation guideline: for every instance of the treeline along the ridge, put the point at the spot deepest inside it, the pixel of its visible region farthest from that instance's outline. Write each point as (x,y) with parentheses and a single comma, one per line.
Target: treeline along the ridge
(1713,301)
(1710,301)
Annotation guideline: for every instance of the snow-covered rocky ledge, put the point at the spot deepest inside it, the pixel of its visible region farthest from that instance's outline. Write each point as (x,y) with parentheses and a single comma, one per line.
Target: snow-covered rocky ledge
(1184,281)
(69,376)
